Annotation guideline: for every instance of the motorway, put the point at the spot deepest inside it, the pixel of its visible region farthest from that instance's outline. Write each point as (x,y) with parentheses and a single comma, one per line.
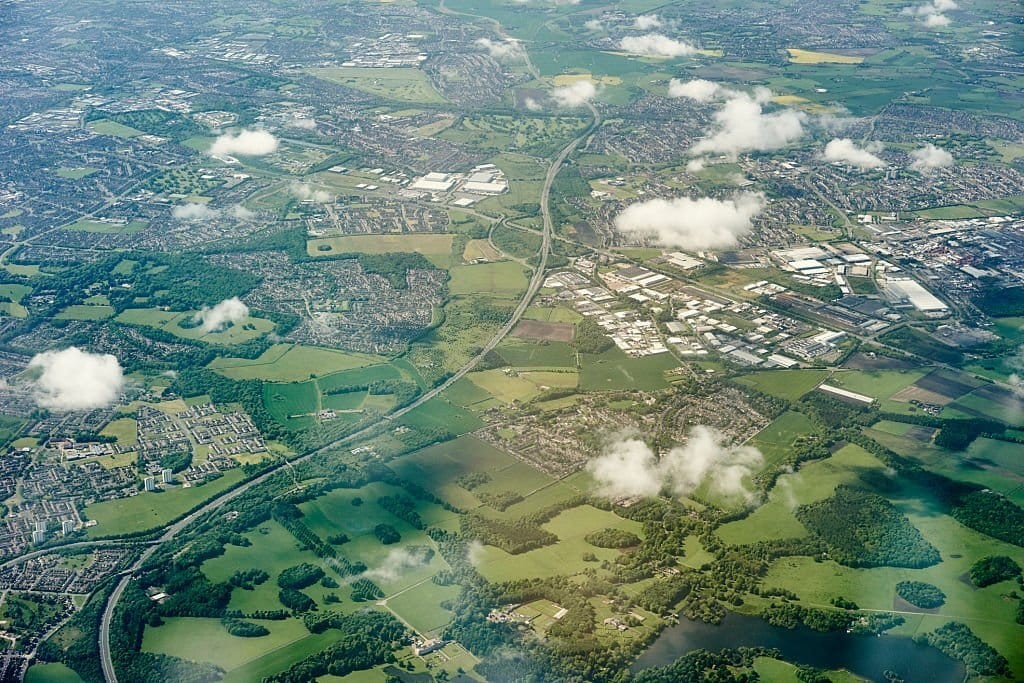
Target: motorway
(109,674)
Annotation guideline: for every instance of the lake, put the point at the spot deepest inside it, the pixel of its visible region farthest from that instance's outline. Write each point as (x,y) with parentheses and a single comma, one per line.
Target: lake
(867,656)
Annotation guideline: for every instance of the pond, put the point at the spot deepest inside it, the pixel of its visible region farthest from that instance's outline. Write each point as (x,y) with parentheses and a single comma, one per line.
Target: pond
(867,656)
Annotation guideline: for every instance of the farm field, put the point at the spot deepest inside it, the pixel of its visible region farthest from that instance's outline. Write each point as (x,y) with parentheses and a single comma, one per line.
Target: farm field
(207,640)
(798,56)
(152,510)
(170,321)
(562,558)
(51,672)
(613,369)
(437,248)
(521,385)
(814,481)
(403,84)
(787,384)
(532,354)
(129,228)
(292,363)
(776,440)
(480,249)
(504,279)
(291,404)
(85,312)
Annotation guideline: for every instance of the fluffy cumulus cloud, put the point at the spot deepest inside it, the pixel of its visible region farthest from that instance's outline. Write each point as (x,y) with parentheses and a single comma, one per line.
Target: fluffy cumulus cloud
(246,143)
(692,224)
(929,158)
(698,89)
(645,22)
(932,14)
(192,211)
(72,379)
(655,45)
(475,553)
(593,25)
(306,192)
(502,50)
(629,467)
(845,151)
(219,317)
(742,125)
(398,562)
(574,94)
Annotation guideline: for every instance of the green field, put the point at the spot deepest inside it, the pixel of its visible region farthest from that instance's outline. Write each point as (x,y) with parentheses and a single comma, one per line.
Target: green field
(814,481)
(85,312)
(439,413)
(129,228)
(437,248)
(292,363)
(501,279)
(403,84)
(206,640)
(520,385)
(787,384)
(776,440)
(108,127)
(534,354)
(44,672)
(562,558)
(437,467)
(170,321)
(291,403)
(75,172)
(613,370)
(878,384)
(149,510)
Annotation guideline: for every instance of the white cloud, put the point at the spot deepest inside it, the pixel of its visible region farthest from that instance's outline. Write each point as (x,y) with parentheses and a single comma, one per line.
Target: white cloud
(254,143)
(692,224)
(531,104)
(72,379)
(696,165)
(502,50)
(593,25)
(303,122)
(227,312)
(306,193)
(834,123)
(398,562)
(931,14)
(655,45)
(475,553)
(192,211)
(629,467)
(645,22)
(242,213)
(574,94)
(929,158)
(698,89)
(843,150)
(741,125)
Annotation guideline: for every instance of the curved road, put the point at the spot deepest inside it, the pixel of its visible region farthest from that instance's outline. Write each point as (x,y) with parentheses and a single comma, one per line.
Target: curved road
(109,674)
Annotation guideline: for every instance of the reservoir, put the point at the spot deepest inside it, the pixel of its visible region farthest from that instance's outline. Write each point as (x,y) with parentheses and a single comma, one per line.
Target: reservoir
(867,656)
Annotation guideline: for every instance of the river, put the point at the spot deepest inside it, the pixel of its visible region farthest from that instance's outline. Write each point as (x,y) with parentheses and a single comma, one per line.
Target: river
(867,656)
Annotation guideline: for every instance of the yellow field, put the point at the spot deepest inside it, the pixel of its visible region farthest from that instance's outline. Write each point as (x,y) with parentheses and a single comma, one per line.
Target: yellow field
(476,249)
(797,56)
(566,79)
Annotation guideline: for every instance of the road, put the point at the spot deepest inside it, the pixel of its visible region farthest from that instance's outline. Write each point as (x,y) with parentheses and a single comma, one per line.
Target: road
(109,674)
